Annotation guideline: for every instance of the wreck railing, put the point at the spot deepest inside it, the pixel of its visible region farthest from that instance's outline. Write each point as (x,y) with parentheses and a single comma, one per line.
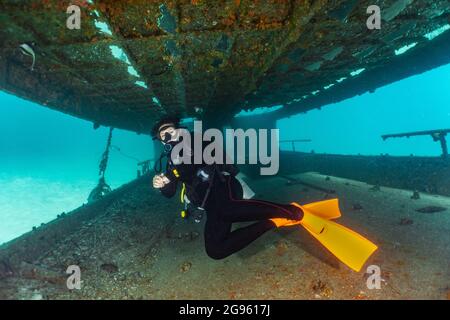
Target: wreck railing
(437,135)
(292,142)
(144,167)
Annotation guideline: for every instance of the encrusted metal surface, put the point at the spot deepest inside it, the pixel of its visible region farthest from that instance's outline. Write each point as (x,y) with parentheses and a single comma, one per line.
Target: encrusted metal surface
(210,59)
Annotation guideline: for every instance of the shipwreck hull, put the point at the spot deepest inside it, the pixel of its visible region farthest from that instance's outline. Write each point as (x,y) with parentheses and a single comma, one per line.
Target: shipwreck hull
(211,59)
(423,174)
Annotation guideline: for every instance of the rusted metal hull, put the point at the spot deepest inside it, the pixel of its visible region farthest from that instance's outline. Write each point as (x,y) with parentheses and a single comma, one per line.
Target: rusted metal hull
(210,59)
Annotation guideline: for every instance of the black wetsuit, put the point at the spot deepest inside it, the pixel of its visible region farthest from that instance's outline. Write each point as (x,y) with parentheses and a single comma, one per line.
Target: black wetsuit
(225,205)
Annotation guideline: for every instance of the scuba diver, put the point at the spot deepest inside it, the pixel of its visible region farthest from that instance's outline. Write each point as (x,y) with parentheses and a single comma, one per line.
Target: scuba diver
(215,190)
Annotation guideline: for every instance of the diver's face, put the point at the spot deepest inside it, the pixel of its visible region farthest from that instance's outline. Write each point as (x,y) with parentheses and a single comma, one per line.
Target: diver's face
(168,133)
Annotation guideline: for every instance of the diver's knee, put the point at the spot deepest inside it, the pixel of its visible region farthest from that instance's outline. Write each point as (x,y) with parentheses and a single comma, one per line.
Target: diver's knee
(215,253)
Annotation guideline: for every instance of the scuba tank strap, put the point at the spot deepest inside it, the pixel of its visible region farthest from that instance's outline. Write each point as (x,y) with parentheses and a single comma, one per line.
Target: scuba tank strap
(219,173)
(215,172)
(210,182)
(158,163)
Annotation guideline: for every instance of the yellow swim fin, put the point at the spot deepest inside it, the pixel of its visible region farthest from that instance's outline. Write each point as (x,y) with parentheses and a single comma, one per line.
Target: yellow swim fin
(327,209)
(348,246)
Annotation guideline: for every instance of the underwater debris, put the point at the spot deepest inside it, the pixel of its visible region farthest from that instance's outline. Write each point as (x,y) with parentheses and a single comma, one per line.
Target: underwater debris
(416,195)
(37,295)
(109,267)
(342,11)
(386,275)
(61,215)
(321,289)
(437,32)
(357,207)
(99,191)
(281,247)
(186,266)
(314,66)
(187,236)
(190,236)
(120,277)
(171,48)
(295,181)
(216,62)
(405,48)
(327,178)
(102,187)
(289,182)
(35,272)
(405,222)
(361,296)
(5,270)
(223,43)
(194,235)
(395,9)
(357,72)
(166,20)
(375,188)
(330,56)
(431,209)
(28,51)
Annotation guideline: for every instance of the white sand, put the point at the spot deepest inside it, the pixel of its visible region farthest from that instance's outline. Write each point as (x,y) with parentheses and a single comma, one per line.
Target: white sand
(28,202)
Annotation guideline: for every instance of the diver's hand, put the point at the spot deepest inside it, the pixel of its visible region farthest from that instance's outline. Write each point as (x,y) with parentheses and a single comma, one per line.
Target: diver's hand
(159,181)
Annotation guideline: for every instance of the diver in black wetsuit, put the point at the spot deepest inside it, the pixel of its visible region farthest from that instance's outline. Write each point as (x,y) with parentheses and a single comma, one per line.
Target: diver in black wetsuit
(215,189)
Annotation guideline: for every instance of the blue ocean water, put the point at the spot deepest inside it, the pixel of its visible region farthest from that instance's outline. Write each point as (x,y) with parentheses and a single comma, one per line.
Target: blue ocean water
(354,126)
(49,163)
(49,160)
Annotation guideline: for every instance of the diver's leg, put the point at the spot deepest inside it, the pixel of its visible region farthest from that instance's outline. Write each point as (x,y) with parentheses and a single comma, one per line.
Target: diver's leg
(220,244)
(220,241)
(233,209)
(257,210)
